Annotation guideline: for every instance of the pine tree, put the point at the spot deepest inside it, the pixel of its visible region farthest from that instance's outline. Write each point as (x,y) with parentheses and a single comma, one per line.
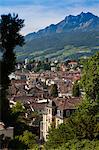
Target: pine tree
(10,26)
(76,90)
(54,90)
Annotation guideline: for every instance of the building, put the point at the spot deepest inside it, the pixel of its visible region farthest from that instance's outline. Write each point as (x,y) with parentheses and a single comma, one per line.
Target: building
(72,64)
(6,134)
(48,118)
(56,112)
(53,67)
(63,67)
(26,61)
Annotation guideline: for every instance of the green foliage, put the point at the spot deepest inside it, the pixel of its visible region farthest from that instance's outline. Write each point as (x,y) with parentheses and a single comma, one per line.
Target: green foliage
(17,119)
(83,124)
(76,89)
(53,138)
(28,139)
(17,111)
(37,116)
(16,144)
(18,108)
(80,145)
(25,141)
(90,77)
(54,90)
(58,136)
(53,46)
(42,66)
(85,121)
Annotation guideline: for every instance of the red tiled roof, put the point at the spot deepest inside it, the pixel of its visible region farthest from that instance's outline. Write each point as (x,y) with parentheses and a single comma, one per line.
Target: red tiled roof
(72,62)
(67,103)
(24,99)
(18,81)
(38,106)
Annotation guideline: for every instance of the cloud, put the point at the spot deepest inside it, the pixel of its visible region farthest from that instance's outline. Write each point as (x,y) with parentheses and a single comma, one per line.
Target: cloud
(41,13)
(36,17)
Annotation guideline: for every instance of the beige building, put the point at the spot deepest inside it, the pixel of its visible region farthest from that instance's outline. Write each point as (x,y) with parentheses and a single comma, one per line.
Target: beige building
(48,117)
(56,112)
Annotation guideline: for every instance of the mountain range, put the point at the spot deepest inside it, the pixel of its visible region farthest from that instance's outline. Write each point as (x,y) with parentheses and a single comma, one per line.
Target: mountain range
(72,37)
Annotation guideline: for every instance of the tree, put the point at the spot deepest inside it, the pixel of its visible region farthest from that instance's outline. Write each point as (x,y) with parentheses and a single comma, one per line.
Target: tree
(54,90)
(10,26)
(82,125)
(80,145)
(76,90)
(81,130)
(90,77)
(18,108)
(28,139)
(58,136)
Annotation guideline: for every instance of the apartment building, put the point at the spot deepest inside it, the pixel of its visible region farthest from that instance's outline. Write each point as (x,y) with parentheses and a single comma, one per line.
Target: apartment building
(56,112)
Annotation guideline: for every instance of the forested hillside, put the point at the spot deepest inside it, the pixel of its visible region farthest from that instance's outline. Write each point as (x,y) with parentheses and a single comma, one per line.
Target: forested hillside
(77,31)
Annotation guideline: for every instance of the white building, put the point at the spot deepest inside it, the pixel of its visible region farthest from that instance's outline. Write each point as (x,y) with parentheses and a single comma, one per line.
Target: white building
(48,118)
(26,61)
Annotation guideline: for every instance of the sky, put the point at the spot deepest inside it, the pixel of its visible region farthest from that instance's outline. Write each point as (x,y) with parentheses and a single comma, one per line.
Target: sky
(40,13)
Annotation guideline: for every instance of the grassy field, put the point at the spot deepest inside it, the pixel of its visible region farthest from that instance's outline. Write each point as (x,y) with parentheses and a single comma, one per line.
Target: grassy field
(69,51)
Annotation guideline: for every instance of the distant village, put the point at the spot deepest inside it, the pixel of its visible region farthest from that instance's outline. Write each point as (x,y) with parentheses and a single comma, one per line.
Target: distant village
(32,84)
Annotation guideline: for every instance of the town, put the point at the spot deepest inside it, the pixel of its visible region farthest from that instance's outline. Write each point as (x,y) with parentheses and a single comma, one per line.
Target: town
(49,102)
(49,93)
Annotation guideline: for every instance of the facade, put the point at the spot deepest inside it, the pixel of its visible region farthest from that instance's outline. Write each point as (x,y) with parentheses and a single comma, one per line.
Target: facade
(48,118)
(72,64)
(63,114)
(56,112)
(6,134)
(53,68)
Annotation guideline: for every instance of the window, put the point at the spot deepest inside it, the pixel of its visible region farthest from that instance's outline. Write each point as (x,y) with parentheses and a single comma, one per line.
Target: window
(47,110)
(57,121)
(67,113)
(58,112)
(53,119)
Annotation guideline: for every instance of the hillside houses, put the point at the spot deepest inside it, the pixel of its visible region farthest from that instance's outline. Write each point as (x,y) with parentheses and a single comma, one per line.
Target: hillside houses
(32,89)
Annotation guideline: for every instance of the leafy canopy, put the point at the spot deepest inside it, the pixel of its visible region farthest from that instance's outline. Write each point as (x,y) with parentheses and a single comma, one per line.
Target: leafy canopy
(76,89)
(90,77)
(54,90)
